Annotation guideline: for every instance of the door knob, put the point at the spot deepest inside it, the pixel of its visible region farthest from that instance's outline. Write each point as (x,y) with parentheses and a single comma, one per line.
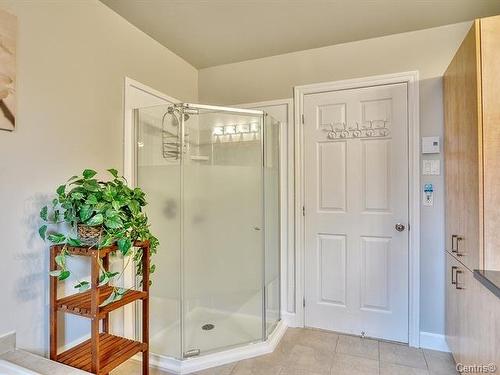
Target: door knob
(399,227)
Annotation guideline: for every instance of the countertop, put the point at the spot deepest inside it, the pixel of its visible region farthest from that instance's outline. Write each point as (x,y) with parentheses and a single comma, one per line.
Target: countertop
(36,363)
(490,279)
(39,364)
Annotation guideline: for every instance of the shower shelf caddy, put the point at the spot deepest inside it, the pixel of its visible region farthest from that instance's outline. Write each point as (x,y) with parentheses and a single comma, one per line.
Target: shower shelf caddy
(102,352)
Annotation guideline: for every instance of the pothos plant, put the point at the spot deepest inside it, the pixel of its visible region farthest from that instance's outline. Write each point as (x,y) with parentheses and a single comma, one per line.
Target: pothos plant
(112,209)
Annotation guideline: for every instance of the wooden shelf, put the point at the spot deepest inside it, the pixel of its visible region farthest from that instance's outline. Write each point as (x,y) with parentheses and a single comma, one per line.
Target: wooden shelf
(89,251)
(80,303)
(113,351)
(103,351)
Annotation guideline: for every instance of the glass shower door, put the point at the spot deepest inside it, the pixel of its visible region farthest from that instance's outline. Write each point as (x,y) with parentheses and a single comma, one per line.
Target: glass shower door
(158,173)
(222,231)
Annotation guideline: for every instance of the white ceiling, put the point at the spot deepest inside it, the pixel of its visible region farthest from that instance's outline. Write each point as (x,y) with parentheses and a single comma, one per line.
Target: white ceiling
(214,32)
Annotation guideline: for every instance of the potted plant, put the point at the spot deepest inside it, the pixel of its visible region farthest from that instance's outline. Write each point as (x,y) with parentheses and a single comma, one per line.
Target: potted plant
(97,214)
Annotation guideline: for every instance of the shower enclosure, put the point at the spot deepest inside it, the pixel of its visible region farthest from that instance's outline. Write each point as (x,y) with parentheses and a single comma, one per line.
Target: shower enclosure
(211,175)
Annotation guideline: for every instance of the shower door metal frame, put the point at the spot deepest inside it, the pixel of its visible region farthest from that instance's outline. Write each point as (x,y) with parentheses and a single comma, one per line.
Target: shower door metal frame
(181,240)
(216,108)
(263,143)
(263,211)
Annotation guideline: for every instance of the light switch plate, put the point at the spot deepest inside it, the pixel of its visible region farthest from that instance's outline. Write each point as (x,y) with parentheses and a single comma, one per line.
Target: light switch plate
(428,199)
(431,167)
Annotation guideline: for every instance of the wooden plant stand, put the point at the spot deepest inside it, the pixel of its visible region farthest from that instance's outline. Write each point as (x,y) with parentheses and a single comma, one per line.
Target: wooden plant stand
(102,352)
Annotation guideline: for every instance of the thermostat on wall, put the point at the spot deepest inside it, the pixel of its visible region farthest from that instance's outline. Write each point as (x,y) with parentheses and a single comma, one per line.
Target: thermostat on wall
(431,145)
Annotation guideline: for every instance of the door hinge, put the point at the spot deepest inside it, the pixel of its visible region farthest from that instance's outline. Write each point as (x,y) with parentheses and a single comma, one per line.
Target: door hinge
(303,120)
(303,210)
(304,302)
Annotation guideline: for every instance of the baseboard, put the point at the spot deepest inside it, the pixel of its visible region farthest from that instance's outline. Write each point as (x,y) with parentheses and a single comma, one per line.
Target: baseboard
(433,341)
(7,342)
(290,319)
(191,365)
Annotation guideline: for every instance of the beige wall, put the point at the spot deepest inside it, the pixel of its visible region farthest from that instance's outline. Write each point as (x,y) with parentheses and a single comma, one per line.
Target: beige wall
(428,51)
(72,60)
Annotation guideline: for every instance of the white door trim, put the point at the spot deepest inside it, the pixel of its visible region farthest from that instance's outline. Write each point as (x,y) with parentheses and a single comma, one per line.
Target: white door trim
(287,208)
(411,79)
(129,161)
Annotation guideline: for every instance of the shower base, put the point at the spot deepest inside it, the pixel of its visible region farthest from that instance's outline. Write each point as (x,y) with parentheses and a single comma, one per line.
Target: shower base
(228,332)
(229,329)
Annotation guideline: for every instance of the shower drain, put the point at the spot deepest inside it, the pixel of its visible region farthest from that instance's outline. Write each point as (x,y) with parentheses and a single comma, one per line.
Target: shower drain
(207,327)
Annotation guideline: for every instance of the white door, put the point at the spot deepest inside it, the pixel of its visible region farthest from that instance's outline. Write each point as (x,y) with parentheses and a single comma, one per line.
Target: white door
(356,194)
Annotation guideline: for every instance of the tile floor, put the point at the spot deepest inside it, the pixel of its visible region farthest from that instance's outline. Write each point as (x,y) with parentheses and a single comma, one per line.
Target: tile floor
(314,352)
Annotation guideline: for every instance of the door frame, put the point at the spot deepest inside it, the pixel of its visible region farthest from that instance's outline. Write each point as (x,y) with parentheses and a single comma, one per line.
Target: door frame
(412,80)
(129,163)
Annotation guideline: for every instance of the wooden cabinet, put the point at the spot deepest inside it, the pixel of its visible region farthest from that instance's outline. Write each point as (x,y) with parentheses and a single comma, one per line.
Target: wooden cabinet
(462,139)
(472,317)
(472,147)
(471,87)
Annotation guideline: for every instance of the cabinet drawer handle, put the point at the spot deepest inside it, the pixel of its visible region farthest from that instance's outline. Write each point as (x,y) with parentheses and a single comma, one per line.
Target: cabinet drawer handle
(455,240)
(459,254)
(453,268)
(457,286)
(453,237)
